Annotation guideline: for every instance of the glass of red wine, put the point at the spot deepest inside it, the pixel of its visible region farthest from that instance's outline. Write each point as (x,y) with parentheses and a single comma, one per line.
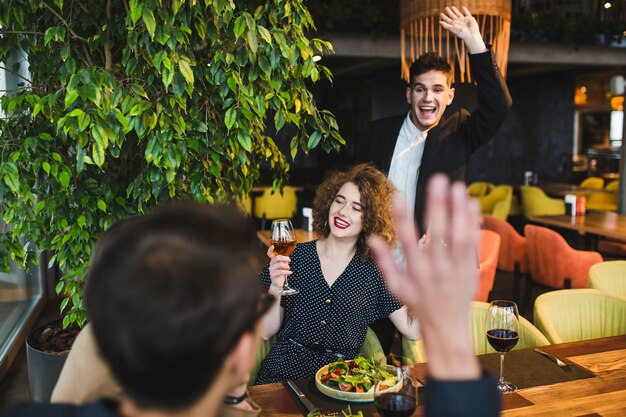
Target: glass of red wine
(283,237)
(503,334)
(392,402)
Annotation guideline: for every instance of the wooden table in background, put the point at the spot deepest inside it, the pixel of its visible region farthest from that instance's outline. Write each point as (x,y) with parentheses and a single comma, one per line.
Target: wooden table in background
(604,395)
(301,236)
(607,224)
(560,190)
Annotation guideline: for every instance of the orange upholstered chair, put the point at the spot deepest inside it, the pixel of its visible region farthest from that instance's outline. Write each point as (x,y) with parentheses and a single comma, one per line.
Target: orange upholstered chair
(488,257)
(553,262)
(512,251)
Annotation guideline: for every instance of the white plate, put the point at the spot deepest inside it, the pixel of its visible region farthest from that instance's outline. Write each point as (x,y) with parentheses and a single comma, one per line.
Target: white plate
(351,395)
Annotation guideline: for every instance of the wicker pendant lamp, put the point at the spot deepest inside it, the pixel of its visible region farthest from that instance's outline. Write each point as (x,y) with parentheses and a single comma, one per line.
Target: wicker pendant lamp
(421,32)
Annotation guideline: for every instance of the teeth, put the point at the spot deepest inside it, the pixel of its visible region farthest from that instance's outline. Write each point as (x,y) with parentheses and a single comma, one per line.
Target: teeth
(427,108)
(342,223)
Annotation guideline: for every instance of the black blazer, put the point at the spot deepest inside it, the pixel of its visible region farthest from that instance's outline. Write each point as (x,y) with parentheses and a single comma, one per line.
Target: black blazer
(450,144)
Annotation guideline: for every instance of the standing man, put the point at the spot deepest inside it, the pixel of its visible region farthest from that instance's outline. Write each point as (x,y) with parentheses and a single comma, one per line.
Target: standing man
(411,148)
(414,146)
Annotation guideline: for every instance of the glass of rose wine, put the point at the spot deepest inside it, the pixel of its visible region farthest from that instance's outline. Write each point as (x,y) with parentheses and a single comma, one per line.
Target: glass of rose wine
(283,237)
(397,402)
(503,334)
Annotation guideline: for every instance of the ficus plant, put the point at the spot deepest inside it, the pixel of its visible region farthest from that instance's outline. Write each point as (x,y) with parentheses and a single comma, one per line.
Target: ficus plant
(131,103)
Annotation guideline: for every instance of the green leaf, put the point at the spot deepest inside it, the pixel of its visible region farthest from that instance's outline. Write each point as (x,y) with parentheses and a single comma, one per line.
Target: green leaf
(81,221)
(102,205)
(148,20)
(135,14)
(252,41)
(244,140)
(314,140)
(138,89)
(64,179)
(265,34)
(230,117)
(13,182)
(39,206)
(83,121)
(100,136)
(186,70)
(70,97)
(240,26)
(97,154)
(76,112)
(46,167)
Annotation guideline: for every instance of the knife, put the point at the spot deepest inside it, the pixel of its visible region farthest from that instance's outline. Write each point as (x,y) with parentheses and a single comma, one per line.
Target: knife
(303,399)
(552,358)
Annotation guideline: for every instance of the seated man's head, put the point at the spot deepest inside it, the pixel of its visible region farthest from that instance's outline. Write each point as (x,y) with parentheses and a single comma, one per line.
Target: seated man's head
(429,91)
(174,303)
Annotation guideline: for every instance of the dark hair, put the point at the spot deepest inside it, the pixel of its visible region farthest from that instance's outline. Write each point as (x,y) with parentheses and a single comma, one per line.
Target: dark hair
(169,295)
(430,61)
(376,194)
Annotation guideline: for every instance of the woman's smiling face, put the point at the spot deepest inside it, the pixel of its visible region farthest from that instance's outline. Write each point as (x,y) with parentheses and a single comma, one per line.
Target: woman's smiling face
(345,214)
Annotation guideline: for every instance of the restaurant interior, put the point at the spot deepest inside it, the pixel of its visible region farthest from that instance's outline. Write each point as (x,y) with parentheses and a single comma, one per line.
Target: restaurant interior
(549,183)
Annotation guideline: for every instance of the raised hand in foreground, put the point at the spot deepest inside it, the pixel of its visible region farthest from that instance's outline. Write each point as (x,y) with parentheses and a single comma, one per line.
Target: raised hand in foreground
(440,279)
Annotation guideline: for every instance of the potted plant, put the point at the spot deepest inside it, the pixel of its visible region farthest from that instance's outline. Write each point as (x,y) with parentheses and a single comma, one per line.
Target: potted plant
(132,103)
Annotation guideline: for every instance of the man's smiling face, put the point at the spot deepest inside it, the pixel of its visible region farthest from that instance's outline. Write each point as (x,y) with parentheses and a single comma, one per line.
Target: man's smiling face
(428,96)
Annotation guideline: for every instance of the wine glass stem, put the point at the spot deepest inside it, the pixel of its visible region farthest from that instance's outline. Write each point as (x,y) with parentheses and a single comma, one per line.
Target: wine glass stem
(285,285)
(501,369)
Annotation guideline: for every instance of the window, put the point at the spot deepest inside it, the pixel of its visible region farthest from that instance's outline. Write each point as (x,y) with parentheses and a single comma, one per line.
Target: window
(21,292)
(598,125)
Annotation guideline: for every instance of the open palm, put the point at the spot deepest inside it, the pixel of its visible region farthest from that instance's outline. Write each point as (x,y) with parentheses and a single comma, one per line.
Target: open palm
(462,25)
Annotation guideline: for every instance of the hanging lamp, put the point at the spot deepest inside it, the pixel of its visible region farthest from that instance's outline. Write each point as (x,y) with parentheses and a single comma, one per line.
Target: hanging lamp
(420,32)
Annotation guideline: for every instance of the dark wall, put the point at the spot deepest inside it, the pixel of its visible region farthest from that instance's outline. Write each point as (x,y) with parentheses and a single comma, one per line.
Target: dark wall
(536,136)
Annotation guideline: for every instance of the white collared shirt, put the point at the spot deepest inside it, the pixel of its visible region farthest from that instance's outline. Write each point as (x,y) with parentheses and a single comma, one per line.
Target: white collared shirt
(406,161)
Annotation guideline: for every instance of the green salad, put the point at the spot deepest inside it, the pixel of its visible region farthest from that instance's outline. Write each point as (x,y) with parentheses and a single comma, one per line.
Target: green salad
(358,375)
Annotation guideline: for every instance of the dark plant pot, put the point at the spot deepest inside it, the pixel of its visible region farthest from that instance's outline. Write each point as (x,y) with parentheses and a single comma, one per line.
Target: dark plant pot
(44,368)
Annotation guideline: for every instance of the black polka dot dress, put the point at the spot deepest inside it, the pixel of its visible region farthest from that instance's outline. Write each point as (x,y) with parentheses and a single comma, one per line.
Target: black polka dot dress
(334,317)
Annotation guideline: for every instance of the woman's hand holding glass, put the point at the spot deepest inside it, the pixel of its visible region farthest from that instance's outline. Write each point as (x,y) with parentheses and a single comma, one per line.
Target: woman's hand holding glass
(278,269)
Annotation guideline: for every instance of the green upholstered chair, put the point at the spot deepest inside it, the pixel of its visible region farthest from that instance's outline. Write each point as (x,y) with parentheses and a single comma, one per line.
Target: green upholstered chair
(502,209)
(604,201)
(536,203)
(371,349)
(275,206)
(479,188)
(500,193)
(264,349)
(610,277)
(579,314)
(530,336)
(594,183)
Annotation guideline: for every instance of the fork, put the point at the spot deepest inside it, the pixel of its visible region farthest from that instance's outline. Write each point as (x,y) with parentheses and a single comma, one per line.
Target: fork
(563,365)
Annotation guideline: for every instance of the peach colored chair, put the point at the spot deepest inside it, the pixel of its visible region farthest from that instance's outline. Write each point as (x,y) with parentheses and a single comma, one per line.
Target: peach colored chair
(612,247)
(488,258)
(512,251)
(553,262)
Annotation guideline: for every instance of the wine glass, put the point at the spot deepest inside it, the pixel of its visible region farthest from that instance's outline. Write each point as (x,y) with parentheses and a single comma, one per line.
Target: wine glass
(283,237)
(503,334)
(393,402)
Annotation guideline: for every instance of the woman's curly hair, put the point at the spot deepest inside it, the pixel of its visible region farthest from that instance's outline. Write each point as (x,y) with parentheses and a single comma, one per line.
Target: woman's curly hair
(376,195)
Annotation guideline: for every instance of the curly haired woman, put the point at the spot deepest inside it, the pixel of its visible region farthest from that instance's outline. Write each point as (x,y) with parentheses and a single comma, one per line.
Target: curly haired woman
(341,288)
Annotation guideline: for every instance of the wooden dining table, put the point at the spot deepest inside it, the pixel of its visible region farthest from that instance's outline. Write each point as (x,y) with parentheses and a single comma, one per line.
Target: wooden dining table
(596,223)
(560,190)
(603,393)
